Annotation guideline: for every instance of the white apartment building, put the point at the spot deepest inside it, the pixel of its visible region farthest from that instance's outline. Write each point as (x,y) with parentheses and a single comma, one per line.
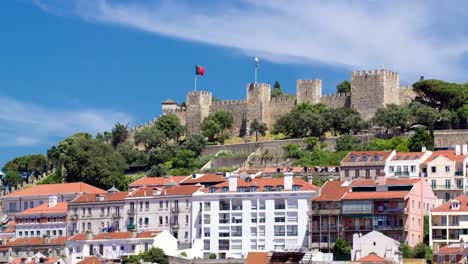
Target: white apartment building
(449,222)
(445,171)
(152,208)
(116,245)
(48,219)
(406,164)
(251,214)
(97,213)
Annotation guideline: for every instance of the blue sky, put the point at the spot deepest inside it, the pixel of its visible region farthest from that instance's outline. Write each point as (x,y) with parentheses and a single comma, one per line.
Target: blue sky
(78,65)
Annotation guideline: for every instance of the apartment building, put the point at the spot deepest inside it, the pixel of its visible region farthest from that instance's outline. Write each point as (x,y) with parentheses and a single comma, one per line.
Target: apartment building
(445,171)
(394,207)
(251,214)
(116,245)
(17,202)
(449,222)
(406,164)
(150,208)
(364,164)
(96,213)
(204,179)
(452,253)
(24,247)
(48,219)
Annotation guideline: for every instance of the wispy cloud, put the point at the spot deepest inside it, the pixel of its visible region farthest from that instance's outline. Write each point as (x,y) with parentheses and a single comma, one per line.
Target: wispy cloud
(27,124)
(412,37)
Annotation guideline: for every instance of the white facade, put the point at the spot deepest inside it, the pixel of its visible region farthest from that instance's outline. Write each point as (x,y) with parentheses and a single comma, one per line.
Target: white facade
(378,243)
(230,224)
(406,167)
(110,247)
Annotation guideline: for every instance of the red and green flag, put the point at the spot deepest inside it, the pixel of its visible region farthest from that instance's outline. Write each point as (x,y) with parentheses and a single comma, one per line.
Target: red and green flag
(199,70)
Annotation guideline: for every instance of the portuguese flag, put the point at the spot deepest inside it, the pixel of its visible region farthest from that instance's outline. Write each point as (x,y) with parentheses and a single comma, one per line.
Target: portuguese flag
(199,70)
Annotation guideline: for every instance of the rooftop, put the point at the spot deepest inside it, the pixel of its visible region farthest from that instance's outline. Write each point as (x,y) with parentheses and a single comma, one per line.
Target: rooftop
(59,208)
(373,258)
(449,154)
(408,156)
(91,260)
(332,191)
(375,195)
(447,206)
(92,197)
(257,258)
(452,249)
(173,190)
(55,189)
(207,178)
(157,181)
(367,156)
(261,183)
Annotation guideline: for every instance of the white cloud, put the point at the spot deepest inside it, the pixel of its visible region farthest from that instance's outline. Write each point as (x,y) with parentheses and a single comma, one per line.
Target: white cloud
(26,124)
(412,37)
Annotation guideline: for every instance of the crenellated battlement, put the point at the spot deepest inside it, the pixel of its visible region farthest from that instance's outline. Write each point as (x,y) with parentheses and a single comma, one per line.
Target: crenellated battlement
(198,93)
(283,99)
(178,110)
(406,87)
(337,95)
(374,72)
(309,81)
(229,102)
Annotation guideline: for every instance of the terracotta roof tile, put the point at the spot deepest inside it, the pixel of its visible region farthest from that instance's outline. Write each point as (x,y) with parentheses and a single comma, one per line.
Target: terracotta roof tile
(260,183)
(257,258)
(60,188)
(59,240)
(387,181)
(383,155)
(26,241)
(91,197)
(451,249)
(375,195)
(449,154)
(372,257)
(59,208)
(145,192)
(447,206)
(157,181)
(207,178)
(181,190)
(117,235)
(332,191)
(91,260)
(79,236)
(408,155)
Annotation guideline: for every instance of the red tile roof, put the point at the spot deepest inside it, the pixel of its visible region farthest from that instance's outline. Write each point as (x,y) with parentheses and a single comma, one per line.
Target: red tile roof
(91,197)
(387,181)
(332,191)
(260,183)
(79,236)
(54,189)
(447,206)
(91,260)
(26,241)
(10,228)
(449,154)
(59,208)
(117,235)
(257,258)
(372,257)
(59,240)
(157,181)
(207,178)
(408,156)
(181,190)
(370,154)
(375,195)
(294,169)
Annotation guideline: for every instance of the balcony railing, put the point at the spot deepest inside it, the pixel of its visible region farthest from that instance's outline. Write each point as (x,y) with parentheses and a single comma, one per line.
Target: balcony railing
(459,173)
(447,187)
(358,228)
(388,227)
(116,215)
(402,173)
(280,206)
(279,233)
(131,227)
(224,221)
(223,234)
(131,211)
(439,237)
(224,207)
(389,210)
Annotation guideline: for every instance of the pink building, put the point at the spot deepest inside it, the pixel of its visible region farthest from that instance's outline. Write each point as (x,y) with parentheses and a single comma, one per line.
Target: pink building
(395,207)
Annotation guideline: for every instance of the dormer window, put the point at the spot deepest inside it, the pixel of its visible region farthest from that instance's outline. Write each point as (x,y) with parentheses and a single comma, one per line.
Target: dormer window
(296,187)
(213,189)
(365,158)
(240,189)
(353,158)
(279,188)
(267,188)
(224,189)
(455,205)
(253,189)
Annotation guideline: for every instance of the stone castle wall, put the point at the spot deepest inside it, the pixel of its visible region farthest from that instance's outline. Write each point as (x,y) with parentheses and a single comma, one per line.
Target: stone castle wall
(370,90)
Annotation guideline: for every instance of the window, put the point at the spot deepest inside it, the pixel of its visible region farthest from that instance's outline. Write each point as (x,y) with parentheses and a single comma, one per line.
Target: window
(267,188)
(405,168)
(20,233)
(54,232)
(296,187)
(455,220)
(240,189)
(25,205)
(60,232)
(213,189)
(367,173)
(89,211)
(102,211)
(392,169)
(447,168)
(186,235)
(31,204)
(453,259)
(433,184)
(83,225)
(186,219)
(433,169)
(141,205)
(160,220)
(146,247)
(167,220)
(167,204)
(224,189)
(346,173)
(114,247)
(146,221)
(38,233)
(89,226)
(413,168)
(279,188)
(356,174)
(48,219)
(441,259)
(140,221)
(91,250)
(161,204)
(84,211)
(133,247)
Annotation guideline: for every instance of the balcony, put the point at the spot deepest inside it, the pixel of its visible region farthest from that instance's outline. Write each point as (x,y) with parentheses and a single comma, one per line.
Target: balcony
(280,206)
(131,227)
(439,237)
(447,187)
(223,234)
(236,207)
(358,228)
(131,211)
(388,227)
(224,221)
(206,221)
(224,207)
(389,210)
(116,215)
(280,233)
(175,210)
(74,217)
(402,173)
(207,234)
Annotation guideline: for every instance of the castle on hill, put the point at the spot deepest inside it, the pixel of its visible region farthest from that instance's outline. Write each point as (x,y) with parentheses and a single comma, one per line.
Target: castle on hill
(370,90)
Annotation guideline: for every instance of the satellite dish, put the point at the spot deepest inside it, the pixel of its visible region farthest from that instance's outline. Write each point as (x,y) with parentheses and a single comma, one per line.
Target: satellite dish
(248,179)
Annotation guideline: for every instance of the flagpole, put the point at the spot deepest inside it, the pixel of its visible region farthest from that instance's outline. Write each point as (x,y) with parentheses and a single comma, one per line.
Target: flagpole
(256,68)
(195,82)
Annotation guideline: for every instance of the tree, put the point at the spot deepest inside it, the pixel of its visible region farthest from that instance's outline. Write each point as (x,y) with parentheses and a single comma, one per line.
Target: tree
(28,165)
(277,92)
(345,120)
(92,161)
(153,255)
(12,178)
(195,142)
(343,87)
(149,136)
(423,115)
(212,256)
(392,116)
(163,153)
(157,171)
(216,125)
(170,127)
(420,138)
(303,120)
(258,127)
(347,142)
(131,155)
(119,134)
(342,249)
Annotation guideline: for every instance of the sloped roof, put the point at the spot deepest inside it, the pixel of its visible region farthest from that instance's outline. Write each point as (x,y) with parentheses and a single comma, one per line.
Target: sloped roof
(260,183)
(447,206)
(370,154)
(375,195)
(157,181)
(387,181)
(54,189)
(332,191)
(91,197)
(408,156)
(181,190)
(59,208)
(372,257)
(449,154)
(257,258)
(91,260)
(169,101)
(207,178)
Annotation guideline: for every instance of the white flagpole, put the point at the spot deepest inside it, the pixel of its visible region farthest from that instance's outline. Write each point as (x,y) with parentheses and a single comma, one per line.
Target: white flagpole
(195,82)
(256,68)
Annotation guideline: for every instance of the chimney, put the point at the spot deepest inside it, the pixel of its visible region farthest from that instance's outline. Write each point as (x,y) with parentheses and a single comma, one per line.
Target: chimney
(380,179)
(436,247)
(465,149)
(133,234)
(52,201)
(457,150)
(423,149)
(288,180)
(89,235)
(232,182)
(462,244)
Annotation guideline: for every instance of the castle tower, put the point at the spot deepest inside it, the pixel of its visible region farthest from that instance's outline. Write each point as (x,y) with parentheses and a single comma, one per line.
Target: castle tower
(309,91)
(371,90)
(198,107)
(258,101)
